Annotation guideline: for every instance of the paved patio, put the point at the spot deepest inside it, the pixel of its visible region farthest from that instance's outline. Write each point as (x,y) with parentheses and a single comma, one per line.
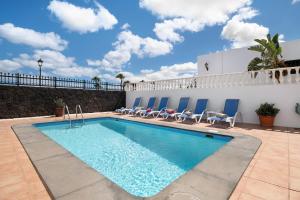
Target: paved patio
(274,173)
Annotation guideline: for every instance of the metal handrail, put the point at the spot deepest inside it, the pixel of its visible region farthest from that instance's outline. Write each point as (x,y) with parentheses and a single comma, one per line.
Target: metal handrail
(66,108)
(78,107)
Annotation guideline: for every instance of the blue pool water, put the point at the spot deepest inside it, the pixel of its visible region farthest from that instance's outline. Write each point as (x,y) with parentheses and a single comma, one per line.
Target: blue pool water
(141,158)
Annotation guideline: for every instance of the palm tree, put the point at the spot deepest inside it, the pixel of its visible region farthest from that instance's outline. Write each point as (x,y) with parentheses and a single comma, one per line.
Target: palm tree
(270,55)
(97,81)
(121,77)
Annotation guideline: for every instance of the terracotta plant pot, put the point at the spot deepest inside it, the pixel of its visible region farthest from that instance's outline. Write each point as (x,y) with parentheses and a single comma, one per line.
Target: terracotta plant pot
(59,112)
(266,121)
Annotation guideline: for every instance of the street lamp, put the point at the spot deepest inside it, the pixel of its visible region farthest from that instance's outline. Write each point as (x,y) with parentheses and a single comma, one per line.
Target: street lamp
(40,63)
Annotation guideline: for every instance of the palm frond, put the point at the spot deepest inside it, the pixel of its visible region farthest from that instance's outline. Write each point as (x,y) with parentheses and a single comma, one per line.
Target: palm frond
(257,48)
(269,38)
(275,40)
(262,42)
(270,56)
(255,64)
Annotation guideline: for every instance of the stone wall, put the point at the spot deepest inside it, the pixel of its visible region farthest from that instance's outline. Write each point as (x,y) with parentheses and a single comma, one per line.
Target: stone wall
(33,101)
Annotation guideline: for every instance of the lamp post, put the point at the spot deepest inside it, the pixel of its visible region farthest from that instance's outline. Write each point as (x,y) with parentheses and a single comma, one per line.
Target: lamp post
(40,63)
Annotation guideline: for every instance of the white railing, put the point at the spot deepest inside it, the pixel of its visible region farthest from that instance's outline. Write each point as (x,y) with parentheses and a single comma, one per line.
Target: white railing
(290,75)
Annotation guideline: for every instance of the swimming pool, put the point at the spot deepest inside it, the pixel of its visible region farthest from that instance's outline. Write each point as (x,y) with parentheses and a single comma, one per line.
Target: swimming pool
(141,158)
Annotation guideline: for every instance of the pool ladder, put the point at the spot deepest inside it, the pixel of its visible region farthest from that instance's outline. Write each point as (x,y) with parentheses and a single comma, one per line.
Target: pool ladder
(78,109)
(66,108)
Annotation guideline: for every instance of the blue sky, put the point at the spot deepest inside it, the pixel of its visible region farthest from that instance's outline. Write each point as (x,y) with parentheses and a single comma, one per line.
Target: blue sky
(145,39)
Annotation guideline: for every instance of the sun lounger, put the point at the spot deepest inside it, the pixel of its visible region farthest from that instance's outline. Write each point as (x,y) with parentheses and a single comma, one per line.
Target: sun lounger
(150,106)
(136,103)
(199,112)
(155,113)
(228,115)
(183,103)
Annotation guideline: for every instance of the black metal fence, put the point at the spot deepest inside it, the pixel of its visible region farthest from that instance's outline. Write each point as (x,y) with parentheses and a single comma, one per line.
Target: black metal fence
(55,82)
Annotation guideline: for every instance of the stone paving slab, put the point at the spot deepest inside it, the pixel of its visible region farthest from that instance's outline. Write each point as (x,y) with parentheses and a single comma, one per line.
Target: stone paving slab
(65,173)
(67,177)
(207,184)
(245,142)
(234,162)
(29,134)
(178,192)
(44,149)
(103,189)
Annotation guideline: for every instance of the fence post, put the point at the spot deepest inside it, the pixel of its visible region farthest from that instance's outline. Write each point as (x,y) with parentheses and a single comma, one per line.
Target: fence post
(17,79)
(84,84)
(54,79)
(106,86)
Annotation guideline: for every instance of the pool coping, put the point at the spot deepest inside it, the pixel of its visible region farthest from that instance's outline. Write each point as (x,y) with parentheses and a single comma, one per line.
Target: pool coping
(67,177)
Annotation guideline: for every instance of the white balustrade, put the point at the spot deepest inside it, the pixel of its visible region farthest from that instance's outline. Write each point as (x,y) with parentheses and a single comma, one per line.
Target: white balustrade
(289,75)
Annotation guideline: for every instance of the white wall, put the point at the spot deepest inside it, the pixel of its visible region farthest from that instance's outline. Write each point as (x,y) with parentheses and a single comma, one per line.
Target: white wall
(284,96)
(237,60)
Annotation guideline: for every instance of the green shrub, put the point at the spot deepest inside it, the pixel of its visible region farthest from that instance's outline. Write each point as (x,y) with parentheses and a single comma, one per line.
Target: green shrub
(59,103)
(267,109)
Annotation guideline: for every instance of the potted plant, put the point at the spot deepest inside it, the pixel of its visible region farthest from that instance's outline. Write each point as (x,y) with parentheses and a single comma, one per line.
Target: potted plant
(267,113)
(59,107)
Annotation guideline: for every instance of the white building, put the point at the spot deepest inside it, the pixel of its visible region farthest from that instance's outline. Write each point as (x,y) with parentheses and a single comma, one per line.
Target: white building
(227,77)
(237,60)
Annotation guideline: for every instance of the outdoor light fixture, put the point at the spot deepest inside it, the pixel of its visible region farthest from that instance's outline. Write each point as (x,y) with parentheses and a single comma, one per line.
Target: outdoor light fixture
(40,63)
(206,66)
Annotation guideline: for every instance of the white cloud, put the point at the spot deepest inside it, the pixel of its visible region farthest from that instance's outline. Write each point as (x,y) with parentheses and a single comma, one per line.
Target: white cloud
(9,65)
(166,30)
(32,38)
(55,63)
(176,16)
(152,47)
(75,71)
(147,71)
(52,59)
(128,44)
(242,33)
(295,1)
(125,26)
(204,11)
(188,69)
(108,77)
(190,15)
(80,19)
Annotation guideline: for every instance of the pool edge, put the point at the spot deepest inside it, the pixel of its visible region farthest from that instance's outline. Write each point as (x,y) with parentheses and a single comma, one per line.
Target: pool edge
(198,182)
